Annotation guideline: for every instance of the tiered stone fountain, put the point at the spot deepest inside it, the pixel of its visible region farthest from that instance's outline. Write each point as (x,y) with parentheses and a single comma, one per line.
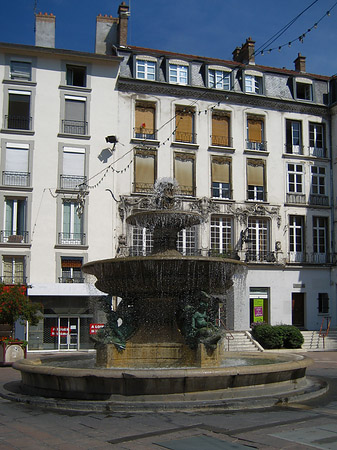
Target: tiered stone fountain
(167,347)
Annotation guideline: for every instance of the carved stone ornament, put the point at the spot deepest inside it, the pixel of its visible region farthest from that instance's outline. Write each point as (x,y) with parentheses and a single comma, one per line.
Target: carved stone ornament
(242,213)
(205,207)
(127,204)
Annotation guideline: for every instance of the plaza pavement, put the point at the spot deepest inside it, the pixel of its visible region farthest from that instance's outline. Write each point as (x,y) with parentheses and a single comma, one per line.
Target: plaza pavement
(305,425)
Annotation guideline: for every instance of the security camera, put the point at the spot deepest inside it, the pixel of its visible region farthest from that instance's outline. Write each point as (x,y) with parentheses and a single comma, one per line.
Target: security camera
(111,139)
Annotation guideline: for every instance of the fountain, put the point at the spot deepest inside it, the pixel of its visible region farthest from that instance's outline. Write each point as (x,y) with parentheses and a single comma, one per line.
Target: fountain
(161,344)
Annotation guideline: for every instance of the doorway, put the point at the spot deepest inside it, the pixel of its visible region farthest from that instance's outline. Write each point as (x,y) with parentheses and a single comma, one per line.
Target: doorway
(297,300)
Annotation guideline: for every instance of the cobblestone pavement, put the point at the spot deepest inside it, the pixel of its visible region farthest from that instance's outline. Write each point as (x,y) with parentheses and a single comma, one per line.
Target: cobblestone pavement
(306,425)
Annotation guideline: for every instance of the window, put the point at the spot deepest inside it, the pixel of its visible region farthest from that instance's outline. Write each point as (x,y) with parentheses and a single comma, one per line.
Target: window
(145,170)
(221,173)
(184,131)
(296,238)
(145,70)
(258,240)
(75,114)
(317,140)
(303,91)
(20,70)
(73,167)
(15,221)
(255,133)
(253,84)
(142,242)
(178,74)
(218,79)
(76,76)
(295,183)
(18,117)
(187,241)
(320,239)
(256,180)
(72,224)
(13,270)
(221,129)
(294,137)
(317,181)
(145,120)
(16,171)
(221,235)
(323,303)
(71,270)
(184,172)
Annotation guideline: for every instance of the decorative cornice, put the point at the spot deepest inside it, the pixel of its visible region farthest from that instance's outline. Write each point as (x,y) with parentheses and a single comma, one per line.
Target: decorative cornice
(242,213)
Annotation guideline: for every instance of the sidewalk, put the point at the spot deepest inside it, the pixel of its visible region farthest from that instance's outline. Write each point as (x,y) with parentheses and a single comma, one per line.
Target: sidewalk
(308,425)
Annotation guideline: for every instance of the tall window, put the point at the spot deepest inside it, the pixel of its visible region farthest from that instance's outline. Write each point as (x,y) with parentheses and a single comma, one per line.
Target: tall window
(145,170)
(258,240)
(16,171)
(71,270)
(294,137)
(142,241)
(318,191)
(13,270)
(221,129)
(187,241)
(185,118)
(75,114)
(221,235)
(323,303)
(72,224)
(256,180)
(15,220)
(218,79)
(253,84)
(76,76)
(296,238)
(20,70)
(255,133)
(145,70)
(18,117)
(73,166)
(295,178)
(221,173)
(184,172)
(320,247)
(145,120)
(178,74)
(317,139)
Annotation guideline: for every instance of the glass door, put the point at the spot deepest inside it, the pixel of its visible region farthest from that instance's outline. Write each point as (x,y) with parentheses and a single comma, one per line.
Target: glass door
(68,330)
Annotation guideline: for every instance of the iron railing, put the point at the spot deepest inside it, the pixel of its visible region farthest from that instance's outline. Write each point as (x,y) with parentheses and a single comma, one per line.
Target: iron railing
(21,179)
(65,279)
(144,133)
(222,141)
(143,187)
(18,237)
(318,200)
(184,136)
(261,257)
(72,238)
(14,279)
(18,122)
(311,258)
(256,145)
(75,127)
(319,152)
(72,182)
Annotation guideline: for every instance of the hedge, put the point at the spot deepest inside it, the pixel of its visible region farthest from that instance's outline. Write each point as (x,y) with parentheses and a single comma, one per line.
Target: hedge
(277,336)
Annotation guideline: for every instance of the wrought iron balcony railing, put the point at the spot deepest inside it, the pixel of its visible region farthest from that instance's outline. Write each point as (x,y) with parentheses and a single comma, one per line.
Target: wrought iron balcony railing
(222,141)
(75,127)
(144,133)
(65,279)
(18,122)
(184,136)
(72,182)
(72,238)
(319,152)
(294,149)
(21,179)
(255,145)
(14,279)
(261,257)
(311,258)
(18,237)
(143,187)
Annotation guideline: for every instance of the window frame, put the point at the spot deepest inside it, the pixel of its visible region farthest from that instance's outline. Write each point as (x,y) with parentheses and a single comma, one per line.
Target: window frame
(147,73)
(251,144)
(19,179)
(218,140)
(185,190)
(225,82)
(258,239)
(320,238)
(85,98)
(147,187)
(74,180)
(225,189)
(191,136)
(221,235)
(256,193)
(296,225)
(14,259)
(254,84)
(70,69)
(293,135)
(315,129)
(180,76)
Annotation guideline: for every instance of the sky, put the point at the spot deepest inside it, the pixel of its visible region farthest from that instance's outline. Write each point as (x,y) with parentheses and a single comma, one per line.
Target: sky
(210,28)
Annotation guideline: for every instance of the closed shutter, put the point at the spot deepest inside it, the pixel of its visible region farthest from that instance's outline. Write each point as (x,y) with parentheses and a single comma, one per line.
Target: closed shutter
(184,172)
(255,173)
(75,110)
(255,130)
(17,158)
(73,161)
(220,129)
(220,170)
(184,125)
(145,118)
(144,168)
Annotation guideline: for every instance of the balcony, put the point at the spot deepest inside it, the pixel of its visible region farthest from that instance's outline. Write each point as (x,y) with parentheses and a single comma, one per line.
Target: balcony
(13,279)
(144,133)
(143,188)
(311,258)
(184,136)
(19,179)
(260,257)
(296,198)
(72,182)
(222,141)
(18,122)
(294,149)
(67,279)
(8,237)
(71,238)
(75,127)
(318,200)
(256,145)
(319,152)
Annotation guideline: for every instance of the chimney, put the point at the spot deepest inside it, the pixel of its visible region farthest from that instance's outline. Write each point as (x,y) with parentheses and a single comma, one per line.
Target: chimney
(245,54)
(45,30)
(300,63)
(106,34)
(123,13)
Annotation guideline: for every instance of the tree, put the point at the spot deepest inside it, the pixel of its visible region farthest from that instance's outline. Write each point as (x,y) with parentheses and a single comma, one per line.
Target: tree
(15,305)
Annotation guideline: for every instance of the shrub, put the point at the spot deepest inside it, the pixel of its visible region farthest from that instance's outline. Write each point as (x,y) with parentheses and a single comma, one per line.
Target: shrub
(292,337)
(278,336)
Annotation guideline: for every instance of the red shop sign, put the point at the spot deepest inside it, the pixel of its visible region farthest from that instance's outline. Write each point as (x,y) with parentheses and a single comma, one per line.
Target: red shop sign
(94,327)
(62,331)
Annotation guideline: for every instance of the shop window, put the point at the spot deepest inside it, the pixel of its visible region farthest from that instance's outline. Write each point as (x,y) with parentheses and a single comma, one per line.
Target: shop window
(185,125)
(145,170)
(184,172)
(221,177)
(145,121)
(256,180)
(221,129)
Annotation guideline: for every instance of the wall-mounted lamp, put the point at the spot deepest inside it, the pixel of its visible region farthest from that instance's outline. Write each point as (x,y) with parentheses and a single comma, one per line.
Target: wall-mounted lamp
(111,139)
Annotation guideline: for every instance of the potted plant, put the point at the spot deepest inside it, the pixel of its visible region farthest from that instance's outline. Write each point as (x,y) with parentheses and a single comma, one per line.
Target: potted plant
(14,305)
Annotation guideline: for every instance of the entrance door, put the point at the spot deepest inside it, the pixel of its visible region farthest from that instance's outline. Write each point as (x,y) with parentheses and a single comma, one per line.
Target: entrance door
(68,329)
(298,309)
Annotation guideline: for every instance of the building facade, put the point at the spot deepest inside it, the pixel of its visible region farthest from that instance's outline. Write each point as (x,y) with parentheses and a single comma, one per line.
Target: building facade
(85,136)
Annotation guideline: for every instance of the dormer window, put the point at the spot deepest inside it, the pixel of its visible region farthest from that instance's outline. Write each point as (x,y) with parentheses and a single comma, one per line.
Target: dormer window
(219,79)
(253,84)
(303,91)
(178,73)
(145,70)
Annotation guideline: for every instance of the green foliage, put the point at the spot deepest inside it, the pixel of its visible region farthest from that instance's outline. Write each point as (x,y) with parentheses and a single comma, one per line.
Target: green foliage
(278,336)
(15,305)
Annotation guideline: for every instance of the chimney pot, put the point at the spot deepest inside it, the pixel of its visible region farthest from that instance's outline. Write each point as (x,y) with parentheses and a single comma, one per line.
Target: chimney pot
(245,53)
(300,63)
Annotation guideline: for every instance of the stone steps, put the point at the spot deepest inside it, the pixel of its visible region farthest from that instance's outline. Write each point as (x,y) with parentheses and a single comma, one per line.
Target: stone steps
(313,341)
(241,341)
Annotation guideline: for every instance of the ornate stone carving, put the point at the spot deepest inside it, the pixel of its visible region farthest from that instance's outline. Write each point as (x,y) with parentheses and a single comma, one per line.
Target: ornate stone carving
(242,213)
(205,206)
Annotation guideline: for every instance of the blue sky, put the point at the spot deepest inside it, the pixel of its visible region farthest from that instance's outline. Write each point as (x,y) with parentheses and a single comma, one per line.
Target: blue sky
(201,27)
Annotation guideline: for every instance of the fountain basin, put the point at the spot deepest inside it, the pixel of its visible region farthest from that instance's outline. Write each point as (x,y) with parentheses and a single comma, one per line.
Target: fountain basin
(54,377)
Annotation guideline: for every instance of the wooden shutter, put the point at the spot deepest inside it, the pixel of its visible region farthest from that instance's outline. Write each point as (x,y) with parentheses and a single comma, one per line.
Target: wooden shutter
(220,170)
(144,168)
(255,129)
(255,173)
(184,124)
(145,118)
(184,172)
(220,129)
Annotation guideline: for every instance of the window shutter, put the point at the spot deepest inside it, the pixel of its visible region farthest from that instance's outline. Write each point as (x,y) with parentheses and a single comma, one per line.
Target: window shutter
(71,263)
(255,127)
(17,159)
(145,168)
(220,170)
(184,125)
(183,171)
(255,173)
(220,127)
(74,110)
(145,115)
(73,161)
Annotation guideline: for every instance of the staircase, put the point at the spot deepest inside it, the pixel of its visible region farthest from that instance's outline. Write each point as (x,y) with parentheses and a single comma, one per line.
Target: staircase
(241,341)
(313,341)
